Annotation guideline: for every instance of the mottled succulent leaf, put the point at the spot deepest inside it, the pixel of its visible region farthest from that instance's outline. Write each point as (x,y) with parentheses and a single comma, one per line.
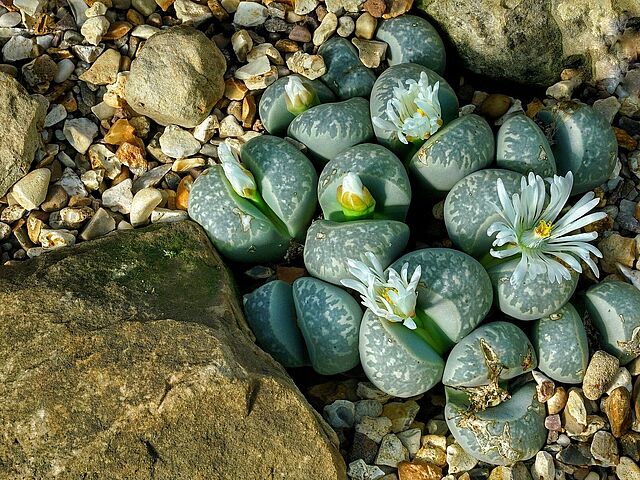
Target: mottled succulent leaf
(380,171)
(395,359)
(383,92)
(495,351)
(273,110)
(331,128)
(454,293)
(510,432)
(236,227)
(614,308)
(469,208)
(583,142)
(330,322)
(412,39)
(346,75)
(535,298)
(330,244)
(453,152)
(286,179)
(271,315)
(561,344)
(523,147)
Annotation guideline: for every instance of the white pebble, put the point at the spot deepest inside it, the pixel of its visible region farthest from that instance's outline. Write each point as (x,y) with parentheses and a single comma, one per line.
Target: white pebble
(250,14)
(57,114)
(80,132)
(119,198)
(164,215)
(65,69)
(10,19)
(31,190)
(143,204)
(178,143)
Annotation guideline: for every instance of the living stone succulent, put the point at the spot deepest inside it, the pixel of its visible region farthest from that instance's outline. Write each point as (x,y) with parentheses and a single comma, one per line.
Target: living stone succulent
(459,148)
(614,308)
(346,76)
(274,109)
(330,128)
(583,143)
(412,39)
(523,147)
(253,215)
(489,421)
(393,101)
(452,298)
(379,170)
(561,345)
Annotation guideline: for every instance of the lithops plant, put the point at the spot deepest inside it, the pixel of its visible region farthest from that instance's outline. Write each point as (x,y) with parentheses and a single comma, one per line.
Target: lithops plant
(410,325)
(523,147)
(490,422)
(546,246)
(311,322)
(412,39)
(469,208)
(583,142)
(329,319)
(271,314)
(453,152)
(331,128)
(561,345)
(409,103)
(252,215)
(614,308)
(346,75)
(283,100)
(381,174)
(502,435)
(329,243)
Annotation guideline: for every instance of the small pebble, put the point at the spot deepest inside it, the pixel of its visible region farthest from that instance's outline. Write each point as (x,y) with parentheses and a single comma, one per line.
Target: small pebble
(374,428)
(98,225)
(178,143)
(250,14)
(601,370)
(340,414)
(119,197)
(143,204)
(391,451)
(31,190)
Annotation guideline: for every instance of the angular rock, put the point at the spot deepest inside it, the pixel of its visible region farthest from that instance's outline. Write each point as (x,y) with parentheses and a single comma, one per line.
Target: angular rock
(21,117)
(503,39)
(180,52)
(131,352)
(31,190)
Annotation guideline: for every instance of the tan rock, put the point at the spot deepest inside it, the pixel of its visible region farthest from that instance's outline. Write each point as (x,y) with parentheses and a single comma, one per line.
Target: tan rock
(326,28)
(371,52)
(419,471)
(617,407)
(366,26)
(104,70)
(617,249)
(309,66)
(142,330)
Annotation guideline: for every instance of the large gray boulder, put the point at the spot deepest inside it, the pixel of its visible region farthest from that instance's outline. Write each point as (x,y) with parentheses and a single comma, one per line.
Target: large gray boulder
(21,118)
(177,77)
(531,41)
(129,357)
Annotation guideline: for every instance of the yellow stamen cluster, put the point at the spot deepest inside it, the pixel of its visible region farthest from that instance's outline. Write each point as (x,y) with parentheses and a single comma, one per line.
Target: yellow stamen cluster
(543,230)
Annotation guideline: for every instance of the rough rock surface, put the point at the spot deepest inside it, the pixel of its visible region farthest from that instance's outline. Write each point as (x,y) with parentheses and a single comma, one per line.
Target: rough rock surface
(502,38)
(177,77)
(21,116)
(128,357)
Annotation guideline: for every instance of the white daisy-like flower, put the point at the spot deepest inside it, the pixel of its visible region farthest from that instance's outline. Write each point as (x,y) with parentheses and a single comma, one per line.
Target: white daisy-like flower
(530,227)
(354,198)
(392,296)
(239,177)
(414,112)
(298,97)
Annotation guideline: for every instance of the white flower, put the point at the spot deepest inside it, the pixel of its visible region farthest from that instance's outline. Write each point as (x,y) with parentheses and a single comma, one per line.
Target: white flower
(239,177)
(529,228)
(393,297)
(354,198)
(298,97)
(414,112)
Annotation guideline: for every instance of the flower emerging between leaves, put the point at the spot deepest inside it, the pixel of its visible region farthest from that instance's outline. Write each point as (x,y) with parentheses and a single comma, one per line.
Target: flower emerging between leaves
(414,112)
(239,177)
(392,296)
(532,229)
(354,198)
(298,97)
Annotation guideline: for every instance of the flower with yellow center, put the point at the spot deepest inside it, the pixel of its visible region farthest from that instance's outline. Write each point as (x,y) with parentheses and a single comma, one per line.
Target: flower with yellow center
(392,296)
(354,198)
(530,228)
(413,113)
